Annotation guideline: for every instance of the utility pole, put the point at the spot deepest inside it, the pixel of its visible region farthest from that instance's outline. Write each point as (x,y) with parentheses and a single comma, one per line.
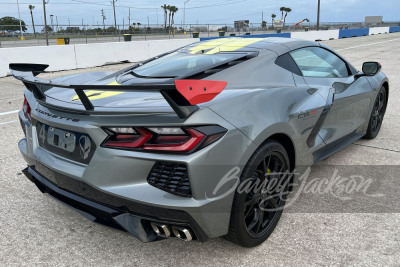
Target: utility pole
(148,22)
(45,23)
(115,18)
(20,23)
(157,16)
(184,12)
(69,23)
(319,12)
(83,29)
(129,18)
(104,18)
(57,22)
(262,18)
(52,24)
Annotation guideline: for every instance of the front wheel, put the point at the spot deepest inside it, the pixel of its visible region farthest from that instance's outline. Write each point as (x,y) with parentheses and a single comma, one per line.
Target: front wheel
(259,200)
(378,112)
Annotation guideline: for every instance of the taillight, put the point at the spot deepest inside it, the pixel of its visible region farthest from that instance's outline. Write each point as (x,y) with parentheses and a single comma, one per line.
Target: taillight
(26,108)
(167,139)
(128,140)
(175,143)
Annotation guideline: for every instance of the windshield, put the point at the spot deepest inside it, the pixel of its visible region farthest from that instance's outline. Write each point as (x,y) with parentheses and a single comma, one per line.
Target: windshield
(179,63)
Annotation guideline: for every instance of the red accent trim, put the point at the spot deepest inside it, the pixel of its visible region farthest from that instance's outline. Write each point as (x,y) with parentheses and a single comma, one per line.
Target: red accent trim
(199,91)
(142,139)
(27,109)
(196,138)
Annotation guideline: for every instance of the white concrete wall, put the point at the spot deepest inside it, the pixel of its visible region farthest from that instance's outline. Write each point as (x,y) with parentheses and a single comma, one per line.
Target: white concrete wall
(316,35)
(58,57)
(378,30)
(68,57)
(99,54)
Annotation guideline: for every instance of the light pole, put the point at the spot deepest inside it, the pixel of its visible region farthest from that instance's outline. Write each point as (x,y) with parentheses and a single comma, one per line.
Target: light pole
(319,11)
(52,24)
(20,23)
(115,18)
(184,13)
(45,22)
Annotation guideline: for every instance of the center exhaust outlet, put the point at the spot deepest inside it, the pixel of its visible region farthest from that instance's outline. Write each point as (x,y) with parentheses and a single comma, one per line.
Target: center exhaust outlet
(182,233)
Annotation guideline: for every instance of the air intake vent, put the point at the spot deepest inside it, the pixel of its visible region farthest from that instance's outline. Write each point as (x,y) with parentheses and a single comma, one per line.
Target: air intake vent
(170,177)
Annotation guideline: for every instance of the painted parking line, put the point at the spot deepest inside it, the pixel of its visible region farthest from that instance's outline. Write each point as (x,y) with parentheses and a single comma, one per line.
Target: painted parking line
(9,112)
(8,122)
(397,39)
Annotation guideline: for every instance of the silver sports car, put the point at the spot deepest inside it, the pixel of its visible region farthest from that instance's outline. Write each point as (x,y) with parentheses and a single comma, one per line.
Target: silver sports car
(187,144)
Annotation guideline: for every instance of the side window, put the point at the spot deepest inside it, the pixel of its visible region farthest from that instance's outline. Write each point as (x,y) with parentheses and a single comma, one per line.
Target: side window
(319,62)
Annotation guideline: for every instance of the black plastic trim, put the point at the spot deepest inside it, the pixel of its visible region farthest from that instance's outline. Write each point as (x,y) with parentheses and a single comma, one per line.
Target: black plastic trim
(102,206)
(286,61)
(336,146)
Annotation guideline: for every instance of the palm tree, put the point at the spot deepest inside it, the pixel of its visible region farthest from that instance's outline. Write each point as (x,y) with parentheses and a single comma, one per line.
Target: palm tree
(165,7)
(282,9)
(174,9)
(287,10)
(31,8)
(273,16)
(169,19)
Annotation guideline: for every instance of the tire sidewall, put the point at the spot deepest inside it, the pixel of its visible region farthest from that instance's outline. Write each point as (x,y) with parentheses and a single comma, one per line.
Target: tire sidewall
(237,216)
(370,133)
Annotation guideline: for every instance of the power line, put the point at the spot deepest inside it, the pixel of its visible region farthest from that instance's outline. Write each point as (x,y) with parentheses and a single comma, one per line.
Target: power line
(80,2)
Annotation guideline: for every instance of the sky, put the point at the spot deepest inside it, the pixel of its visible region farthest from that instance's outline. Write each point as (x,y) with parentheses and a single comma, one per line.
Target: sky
(200,11)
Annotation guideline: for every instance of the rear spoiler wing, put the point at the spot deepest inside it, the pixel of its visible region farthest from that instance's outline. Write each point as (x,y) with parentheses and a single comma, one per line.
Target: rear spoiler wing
(27,74)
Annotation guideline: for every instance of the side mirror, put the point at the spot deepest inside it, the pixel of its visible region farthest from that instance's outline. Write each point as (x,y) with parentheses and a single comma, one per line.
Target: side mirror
(371,68)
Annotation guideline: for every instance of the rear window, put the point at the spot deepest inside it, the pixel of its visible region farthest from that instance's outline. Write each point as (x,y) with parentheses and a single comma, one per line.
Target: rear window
(180,63)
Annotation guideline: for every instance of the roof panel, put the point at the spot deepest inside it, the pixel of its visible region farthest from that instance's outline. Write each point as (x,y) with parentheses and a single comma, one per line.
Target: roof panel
(279,45)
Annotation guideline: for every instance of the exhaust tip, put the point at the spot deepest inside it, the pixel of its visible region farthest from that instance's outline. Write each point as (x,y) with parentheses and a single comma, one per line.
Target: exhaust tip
(161,229)
(182,233)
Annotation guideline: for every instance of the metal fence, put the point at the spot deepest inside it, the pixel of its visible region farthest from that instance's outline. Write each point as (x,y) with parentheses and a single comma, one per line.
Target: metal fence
(10,36)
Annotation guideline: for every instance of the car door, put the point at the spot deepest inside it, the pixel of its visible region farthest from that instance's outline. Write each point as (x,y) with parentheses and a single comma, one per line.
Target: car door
(347,115)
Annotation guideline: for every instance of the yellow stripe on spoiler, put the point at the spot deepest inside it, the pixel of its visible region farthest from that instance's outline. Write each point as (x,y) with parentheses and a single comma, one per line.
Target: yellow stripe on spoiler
(95,95)
(224,45)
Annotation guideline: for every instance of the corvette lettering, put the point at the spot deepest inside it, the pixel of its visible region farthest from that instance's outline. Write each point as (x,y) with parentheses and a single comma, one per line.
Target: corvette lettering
(56,116)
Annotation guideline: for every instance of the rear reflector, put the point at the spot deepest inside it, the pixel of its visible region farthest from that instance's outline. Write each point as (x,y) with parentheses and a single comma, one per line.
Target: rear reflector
(199,91)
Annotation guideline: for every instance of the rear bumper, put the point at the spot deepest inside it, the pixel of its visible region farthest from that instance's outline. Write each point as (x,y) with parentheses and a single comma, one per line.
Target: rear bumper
(110,210)
(119,178)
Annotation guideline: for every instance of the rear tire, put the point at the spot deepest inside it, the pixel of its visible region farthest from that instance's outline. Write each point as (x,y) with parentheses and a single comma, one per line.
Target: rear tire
(377,115)
(255,215)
